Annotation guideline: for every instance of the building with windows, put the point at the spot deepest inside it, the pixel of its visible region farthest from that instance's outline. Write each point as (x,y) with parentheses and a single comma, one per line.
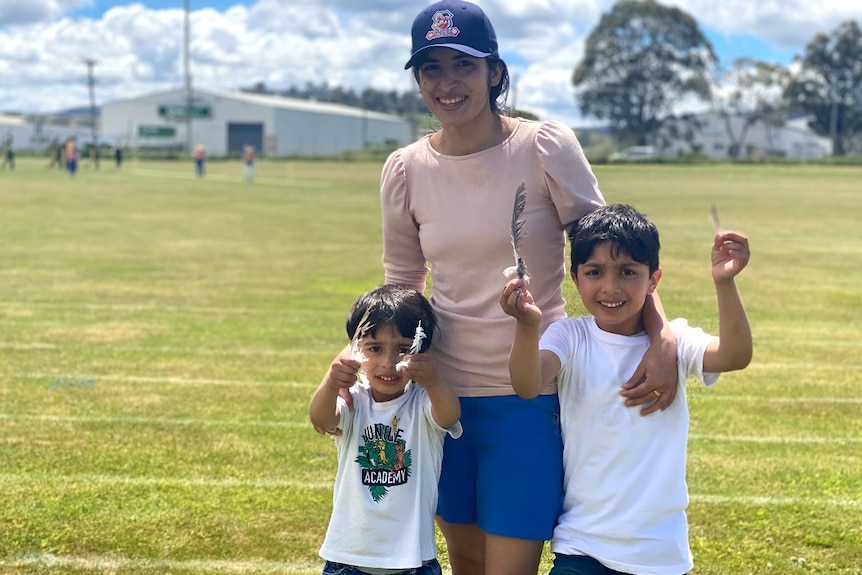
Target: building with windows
(717,137)
(225,122)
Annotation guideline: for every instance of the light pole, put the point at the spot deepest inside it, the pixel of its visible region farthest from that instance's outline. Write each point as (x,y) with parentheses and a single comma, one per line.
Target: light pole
(188,78)
(91,82)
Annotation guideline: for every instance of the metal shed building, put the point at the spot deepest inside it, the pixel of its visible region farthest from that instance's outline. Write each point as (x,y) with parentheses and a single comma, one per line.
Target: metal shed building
(225,122)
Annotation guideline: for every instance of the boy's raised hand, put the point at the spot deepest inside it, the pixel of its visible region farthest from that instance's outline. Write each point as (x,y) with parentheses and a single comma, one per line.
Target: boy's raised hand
(730,254)
(517,302)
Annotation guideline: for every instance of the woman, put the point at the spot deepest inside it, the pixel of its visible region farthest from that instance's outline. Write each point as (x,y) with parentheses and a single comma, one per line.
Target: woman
(447,204)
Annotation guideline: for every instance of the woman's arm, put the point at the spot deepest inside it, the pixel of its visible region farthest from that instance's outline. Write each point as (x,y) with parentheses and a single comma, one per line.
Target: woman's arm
(655,379)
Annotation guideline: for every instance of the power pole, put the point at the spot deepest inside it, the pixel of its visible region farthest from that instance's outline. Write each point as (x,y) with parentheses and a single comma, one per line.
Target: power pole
(188,78)
(91,82)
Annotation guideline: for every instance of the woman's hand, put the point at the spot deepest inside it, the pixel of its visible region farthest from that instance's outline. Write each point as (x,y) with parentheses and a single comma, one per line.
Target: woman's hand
(655,380)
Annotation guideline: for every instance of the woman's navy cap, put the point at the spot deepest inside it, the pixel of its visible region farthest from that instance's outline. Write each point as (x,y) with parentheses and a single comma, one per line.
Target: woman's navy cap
(453,24)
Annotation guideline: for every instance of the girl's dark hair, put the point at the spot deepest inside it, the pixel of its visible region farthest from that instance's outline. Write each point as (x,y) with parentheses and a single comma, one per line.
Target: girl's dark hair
(396,305)
(629,232)
(498,93)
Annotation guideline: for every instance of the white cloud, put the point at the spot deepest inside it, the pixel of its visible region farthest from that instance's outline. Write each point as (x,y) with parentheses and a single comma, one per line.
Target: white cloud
(345,43)
(789,24)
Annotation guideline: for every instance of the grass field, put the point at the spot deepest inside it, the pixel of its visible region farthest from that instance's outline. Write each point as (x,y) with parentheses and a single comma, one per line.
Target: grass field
(160,336)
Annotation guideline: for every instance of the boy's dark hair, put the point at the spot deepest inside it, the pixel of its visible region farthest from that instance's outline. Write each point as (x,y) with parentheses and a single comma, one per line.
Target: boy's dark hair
(629,231)
(397,305)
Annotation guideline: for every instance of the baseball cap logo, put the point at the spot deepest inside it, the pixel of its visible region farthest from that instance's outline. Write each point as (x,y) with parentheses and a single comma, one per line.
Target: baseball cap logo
(442,26)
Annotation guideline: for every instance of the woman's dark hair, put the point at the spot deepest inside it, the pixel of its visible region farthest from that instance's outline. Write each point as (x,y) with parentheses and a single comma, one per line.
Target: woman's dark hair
(396,305)
(498,93)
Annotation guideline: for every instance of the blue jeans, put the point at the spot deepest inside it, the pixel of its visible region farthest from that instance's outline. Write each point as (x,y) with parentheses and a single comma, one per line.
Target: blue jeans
(579,565)
(430,567)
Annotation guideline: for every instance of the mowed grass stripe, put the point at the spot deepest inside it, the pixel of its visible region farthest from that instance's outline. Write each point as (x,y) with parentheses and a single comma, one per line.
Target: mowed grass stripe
(113,563)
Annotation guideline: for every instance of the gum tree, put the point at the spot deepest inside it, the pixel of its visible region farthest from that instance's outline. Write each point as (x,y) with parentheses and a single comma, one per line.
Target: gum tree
(829,85)
(641,60)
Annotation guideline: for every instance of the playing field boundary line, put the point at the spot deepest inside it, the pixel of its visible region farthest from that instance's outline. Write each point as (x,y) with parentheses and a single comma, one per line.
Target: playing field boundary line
(111,564)
(157,380)
(182,422)
(796,440)
(768,399)
(233,352)
(141,307)
(208,482)
(775,500)
(232,483)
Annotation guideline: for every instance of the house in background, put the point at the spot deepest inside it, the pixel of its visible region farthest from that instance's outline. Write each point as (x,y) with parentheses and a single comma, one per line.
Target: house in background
(717,136)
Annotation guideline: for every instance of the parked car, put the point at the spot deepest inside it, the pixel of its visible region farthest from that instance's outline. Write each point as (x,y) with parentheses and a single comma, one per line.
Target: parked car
(634,154)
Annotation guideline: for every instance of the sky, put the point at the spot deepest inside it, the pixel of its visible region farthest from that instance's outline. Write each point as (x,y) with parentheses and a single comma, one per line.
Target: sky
(138,45)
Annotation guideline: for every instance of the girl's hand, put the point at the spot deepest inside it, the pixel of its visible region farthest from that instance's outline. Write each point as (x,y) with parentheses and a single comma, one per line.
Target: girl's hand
(343,372)
(421,369)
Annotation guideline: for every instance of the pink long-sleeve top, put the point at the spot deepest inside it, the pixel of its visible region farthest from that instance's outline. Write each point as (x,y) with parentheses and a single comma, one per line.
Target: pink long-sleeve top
(451,215)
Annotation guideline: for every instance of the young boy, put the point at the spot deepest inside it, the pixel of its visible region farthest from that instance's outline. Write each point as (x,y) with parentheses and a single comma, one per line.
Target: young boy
(391,443)
(625,489)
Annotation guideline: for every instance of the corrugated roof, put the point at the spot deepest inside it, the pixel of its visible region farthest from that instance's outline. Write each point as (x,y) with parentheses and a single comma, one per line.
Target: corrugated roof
(278,102)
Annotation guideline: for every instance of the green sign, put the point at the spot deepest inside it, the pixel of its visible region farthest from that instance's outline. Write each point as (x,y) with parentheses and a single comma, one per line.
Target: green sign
(156,132)
(180,111)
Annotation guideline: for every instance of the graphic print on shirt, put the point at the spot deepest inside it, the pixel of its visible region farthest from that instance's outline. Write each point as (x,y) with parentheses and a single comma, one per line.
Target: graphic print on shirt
(384,458)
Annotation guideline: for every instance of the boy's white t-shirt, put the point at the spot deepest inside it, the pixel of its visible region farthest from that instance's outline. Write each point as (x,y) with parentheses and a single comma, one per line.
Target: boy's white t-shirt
(625,488)
(385,495)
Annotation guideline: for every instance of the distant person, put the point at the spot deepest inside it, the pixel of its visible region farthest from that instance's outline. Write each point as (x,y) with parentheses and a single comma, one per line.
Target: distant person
(9,152)
(625,490)
(118,155)
(55,153)
(71,156)
(248,158)
(391,443)
(200,158)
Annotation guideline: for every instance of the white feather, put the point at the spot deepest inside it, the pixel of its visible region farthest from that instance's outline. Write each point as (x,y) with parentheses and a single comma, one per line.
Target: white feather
(418,338)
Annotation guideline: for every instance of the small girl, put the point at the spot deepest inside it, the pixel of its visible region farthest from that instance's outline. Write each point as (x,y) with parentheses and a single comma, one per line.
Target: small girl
(390,444)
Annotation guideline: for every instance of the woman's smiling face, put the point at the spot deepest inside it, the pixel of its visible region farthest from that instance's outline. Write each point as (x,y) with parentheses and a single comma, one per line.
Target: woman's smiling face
(456,86)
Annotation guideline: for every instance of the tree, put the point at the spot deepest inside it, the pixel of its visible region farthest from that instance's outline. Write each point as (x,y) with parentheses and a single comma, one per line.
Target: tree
(829,85)
(752,91)
(641,60)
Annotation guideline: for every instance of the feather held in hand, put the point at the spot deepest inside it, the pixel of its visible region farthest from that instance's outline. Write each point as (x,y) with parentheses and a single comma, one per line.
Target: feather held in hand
(361,330)
(418,338)
(517,234)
